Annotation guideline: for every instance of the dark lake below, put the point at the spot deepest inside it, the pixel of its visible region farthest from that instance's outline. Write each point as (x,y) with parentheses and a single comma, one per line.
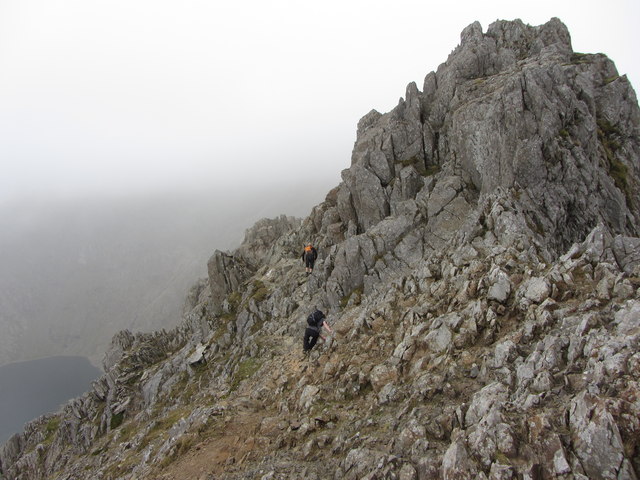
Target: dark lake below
(33,388)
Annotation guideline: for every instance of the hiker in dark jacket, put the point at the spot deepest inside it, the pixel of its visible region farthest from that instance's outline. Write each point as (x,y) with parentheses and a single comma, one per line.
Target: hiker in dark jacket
(315,323)
(309,258)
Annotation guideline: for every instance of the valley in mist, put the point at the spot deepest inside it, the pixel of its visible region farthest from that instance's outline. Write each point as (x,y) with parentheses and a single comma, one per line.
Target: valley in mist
(74,272)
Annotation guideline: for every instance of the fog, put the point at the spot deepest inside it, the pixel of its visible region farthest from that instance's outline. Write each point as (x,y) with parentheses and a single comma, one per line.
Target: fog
(73,274)
(139,96)
(138,136)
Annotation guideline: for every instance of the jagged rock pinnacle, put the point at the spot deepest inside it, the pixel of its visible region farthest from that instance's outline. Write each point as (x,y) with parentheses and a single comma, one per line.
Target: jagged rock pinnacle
(479,264)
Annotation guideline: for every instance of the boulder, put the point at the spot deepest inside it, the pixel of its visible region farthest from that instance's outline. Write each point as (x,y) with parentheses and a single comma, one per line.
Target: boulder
(595,438)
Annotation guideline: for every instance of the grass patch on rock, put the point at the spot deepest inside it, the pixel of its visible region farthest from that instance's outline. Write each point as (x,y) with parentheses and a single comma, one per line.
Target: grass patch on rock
(163,423)
(431,170)
(245,370)
(116,420)
(260,292)
(182,446)
(609,135)
(50,429)
(234,299)
(354,297)
(580,58)
(410,161)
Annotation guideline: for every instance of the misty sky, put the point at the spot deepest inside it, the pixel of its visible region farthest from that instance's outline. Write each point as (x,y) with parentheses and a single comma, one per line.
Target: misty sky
(116,95)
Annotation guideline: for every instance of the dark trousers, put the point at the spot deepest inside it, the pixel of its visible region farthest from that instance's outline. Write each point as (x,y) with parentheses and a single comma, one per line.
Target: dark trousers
(309,261)
(310,338)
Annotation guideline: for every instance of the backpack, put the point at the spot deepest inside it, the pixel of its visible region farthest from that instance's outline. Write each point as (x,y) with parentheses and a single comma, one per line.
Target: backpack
(310,252)
(315,319)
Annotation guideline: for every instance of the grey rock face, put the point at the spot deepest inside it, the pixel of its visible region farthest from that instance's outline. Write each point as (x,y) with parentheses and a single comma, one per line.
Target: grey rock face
(627,253)
(228,272)
(479,267)
(514,134)
(500,287)
(512,110)
(596,438)
(457,464)
(260,239)
(485,401)
(226,275)
(366,195)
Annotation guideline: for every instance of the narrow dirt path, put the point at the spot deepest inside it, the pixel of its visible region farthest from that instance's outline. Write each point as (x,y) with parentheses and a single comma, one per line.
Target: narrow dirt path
(235,438)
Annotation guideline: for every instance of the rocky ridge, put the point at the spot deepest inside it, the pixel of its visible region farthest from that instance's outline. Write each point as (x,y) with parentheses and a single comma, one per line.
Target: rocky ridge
(480,264)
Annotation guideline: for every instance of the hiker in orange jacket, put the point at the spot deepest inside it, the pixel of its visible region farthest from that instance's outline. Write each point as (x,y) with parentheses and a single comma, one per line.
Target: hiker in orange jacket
(309,258)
